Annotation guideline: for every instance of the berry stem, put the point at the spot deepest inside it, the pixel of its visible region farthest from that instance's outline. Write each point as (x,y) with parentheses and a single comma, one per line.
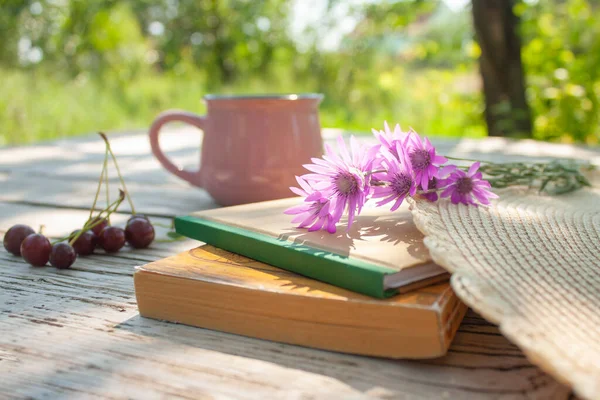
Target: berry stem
(114,158)
(107,189)
(104,168)
(115,205)
(168,226)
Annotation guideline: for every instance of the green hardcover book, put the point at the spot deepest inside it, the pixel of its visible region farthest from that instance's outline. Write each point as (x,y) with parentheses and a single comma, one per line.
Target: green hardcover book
(383,253)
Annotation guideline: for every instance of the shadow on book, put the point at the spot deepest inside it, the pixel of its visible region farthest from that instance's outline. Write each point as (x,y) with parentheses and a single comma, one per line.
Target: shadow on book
(392,229)
(276,276)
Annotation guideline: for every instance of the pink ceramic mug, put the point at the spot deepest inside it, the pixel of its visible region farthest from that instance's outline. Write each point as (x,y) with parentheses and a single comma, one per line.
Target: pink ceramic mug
(253,146)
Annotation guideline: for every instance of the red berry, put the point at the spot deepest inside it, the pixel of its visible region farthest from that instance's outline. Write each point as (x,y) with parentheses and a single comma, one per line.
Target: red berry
(35,249)
(85,243)
(62,255)
(111,239)
(14,236)
(139,233)
(136,216)
(98,228)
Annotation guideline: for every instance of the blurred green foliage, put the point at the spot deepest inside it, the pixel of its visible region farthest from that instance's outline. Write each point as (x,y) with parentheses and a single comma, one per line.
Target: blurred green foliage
(562,60)
(75,66)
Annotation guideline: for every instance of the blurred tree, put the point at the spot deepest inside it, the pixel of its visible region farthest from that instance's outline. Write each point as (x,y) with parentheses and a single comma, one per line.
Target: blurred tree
(497,28)
(226,38)
(350,77)
(76,65)
(9,33)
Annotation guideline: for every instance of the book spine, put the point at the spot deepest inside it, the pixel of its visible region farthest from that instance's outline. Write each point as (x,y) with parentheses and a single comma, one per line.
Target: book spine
(345,272)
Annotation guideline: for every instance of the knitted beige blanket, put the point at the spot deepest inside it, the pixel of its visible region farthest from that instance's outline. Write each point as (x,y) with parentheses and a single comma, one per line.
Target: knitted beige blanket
(531,264)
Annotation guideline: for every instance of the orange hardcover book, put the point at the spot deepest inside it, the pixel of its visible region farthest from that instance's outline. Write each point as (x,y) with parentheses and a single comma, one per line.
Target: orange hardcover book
(212,288)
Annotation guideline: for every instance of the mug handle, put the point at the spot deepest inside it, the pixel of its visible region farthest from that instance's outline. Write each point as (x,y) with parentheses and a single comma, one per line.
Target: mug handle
(198,121)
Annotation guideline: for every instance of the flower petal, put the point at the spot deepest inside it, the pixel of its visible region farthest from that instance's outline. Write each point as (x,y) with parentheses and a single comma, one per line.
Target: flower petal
(355,150)
(299,217)
(424,181)
(343,150)
(386,200)
(440,160)
(300,208)
(398,203)
(428,144)
(315,177)
(413,190)
(331,228)
(448,191)
(303,184)
(387,128)
(297,191)
(351,211)
(324,210)
(311,218)
(319,169)
(314,196)
(473,168)
(445,170)
(317,225)
(455,198)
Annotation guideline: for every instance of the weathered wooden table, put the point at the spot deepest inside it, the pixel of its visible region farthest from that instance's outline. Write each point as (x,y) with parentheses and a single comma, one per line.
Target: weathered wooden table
(77,332)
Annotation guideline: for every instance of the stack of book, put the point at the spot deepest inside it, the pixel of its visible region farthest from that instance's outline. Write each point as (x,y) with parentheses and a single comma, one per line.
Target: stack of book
(372,290)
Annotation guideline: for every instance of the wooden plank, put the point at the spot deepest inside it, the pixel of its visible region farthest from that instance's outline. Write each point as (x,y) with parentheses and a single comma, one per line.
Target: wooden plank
(77,333)
(158,356)
(156,199)
(81,158)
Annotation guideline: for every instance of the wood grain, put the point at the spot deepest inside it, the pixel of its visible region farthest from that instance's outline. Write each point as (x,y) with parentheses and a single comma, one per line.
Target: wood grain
(77,333)
(212,288)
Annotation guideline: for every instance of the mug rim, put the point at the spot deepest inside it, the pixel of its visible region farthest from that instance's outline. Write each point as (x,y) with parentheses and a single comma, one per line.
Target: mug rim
(283,96)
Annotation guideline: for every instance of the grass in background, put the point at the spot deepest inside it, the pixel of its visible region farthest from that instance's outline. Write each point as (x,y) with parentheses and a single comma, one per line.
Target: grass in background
(39,106)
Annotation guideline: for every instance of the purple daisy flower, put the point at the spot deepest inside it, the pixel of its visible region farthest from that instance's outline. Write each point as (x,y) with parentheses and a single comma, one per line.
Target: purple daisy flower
(388,139)
(437,182)
(314,212)
(425,163)
(398,178)
(431,196)
(342,178)
(468,187)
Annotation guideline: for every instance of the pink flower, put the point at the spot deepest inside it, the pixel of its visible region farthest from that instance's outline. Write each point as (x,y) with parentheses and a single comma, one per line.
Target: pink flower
(314,212)
(342,178)
(437,182)
(398,178)
(431,196)
(425,163)
(468,187)
(388,139)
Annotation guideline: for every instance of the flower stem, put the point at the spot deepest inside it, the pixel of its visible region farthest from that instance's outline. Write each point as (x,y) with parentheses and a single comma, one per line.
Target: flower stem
(430,190)
(114,158)
(377,171)
(468,159)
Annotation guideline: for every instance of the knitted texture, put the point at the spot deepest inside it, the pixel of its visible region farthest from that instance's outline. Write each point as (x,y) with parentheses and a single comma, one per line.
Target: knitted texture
(531,264)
